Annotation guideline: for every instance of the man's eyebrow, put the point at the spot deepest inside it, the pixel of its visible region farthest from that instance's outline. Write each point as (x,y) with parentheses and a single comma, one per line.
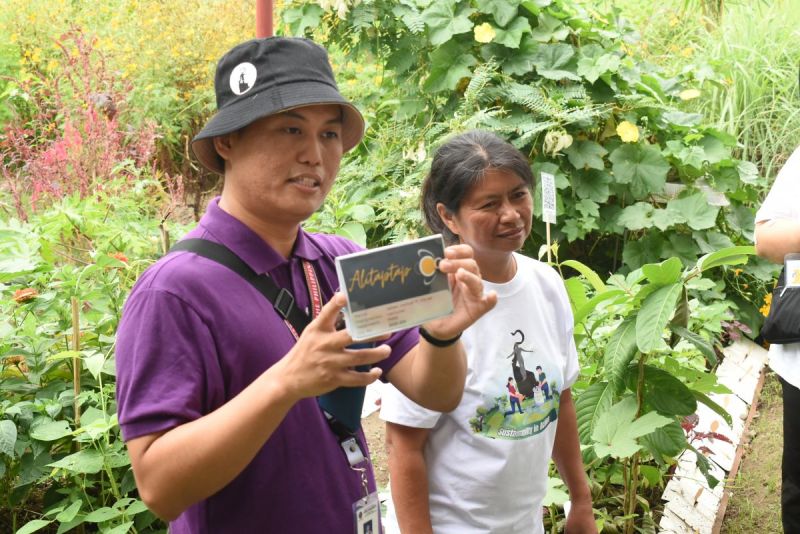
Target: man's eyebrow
(339,119)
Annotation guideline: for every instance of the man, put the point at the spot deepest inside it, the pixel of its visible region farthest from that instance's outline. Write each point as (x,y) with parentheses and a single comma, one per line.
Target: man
(216,392)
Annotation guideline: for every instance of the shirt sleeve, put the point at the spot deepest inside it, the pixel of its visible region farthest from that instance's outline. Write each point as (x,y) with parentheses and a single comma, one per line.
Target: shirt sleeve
(399,409)
(167,368)
(781,201)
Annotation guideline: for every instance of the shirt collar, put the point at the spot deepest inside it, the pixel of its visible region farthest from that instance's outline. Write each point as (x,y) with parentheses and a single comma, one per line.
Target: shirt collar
(248,245)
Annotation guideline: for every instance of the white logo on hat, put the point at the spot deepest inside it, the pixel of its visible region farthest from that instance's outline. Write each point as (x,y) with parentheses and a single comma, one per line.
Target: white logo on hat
(243,78)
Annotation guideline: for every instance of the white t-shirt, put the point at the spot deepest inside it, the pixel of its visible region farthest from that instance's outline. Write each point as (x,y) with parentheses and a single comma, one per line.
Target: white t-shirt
(783,202)
(487,460)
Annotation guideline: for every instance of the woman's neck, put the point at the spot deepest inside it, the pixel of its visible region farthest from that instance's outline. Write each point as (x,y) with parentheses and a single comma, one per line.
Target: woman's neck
(497,269)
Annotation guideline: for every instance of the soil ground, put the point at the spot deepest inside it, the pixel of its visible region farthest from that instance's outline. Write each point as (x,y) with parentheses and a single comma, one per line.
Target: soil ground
(374,431)
(755,505)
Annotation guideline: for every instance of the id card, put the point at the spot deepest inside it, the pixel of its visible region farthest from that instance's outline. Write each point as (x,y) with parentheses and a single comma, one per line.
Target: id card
(394,287)
(367,513)
(792,262)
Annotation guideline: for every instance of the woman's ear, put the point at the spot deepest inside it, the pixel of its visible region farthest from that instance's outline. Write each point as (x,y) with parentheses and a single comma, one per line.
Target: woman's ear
(447,217)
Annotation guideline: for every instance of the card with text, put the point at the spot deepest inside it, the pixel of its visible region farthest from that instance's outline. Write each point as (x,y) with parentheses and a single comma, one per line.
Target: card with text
(394,287)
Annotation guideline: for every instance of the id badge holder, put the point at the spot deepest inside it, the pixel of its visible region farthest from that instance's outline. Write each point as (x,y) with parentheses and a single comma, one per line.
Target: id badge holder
(791,264)
(367,509)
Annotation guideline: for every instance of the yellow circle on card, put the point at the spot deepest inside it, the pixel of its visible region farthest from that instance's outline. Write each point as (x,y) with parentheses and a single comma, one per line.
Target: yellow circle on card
(427,265)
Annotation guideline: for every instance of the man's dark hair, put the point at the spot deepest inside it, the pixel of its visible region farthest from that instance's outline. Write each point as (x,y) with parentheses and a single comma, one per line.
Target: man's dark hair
(461,163)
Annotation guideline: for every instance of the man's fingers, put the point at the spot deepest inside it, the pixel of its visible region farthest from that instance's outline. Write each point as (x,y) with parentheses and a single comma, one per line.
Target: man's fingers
(352,378)
(329,313)
(367,356)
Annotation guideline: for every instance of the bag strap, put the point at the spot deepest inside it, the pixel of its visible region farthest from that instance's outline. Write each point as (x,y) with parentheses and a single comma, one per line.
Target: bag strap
(282,299)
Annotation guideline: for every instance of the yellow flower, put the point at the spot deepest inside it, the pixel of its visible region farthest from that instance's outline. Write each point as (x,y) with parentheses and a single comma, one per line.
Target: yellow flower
(687,52)
(484,33)
(767,304)
(737,272)
(628,132)
(689,94)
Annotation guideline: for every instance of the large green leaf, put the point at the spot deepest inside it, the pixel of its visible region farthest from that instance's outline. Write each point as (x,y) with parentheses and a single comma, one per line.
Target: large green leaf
(664,273)
(663,392)
(446,20)
(449,63)
(521,61)
(705,348)
(88,461)
(102,514)
(503,11)
(595,62)
(699,214)
(726,256)
(301,17)
(665,218)
(555,493)
(8,437)
(586,271)
(576,292)
(49,430)
(586,155)
(668,441)
(589,405)
(512,36)
(654,315)
(67,515)
(620,350)
(588,307)
(552,62)
(642,166)
(617,429)
(33,526)
(638,216)
(549,29)
(592,184)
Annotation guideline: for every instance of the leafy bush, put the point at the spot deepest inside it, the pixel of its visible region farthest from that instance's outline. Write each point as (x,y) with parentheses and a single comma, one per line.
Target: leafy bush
(65,272)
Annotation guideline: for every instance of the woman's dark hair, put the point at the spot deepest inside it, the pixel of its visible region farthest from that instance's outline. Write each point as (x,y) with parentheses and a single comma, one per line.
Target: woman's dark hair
(461,163)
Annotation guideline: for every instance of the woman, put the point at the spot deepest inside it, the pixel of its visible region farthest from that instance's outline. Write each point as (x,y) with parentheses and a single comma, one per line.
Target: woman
(483,467)
(778,234)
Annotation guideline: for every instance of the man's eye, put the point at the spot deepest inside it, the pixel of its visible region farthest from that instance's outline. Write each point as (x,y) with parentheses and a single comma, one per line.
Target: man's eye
(292,130)
(331,135)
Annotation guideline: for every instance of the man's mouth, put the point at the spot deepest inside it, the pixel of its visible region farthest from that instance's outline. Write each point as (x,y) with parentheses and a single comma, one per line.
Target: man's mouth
(306,180)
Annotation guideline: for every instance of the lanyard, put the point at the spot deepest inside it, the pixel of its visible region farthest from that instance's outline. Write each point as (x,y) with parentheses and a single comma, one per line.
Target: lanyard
(314,296)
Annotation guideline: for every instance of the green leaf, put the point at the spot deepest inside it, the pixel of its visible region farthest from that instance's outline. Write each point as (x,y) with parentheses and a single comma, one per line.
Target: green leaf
(653,317)
(549,29)
(555,494)
(637,216)
(642,166)
(50,430)
(503,11)
(65,516)
(586,155)
(86,461)
(575,292)
(512,35)
(589,405)
(705,348)
(594,62)
(663,219)
(715,150)
(699,214)
(353,231)
(446,20)
(94,364)
(664,273)
(617,429)
(302,17)
(8,437)
(666,442)
(122,528)
(33,526)
(716,408)
(710,241)
(620,351)
(521,61)
(587,272)
(662,391)
(588,208)
(726,256)
(551,62)
(748,172)
(448,65)
(102,514)
(592,184)
(584,310)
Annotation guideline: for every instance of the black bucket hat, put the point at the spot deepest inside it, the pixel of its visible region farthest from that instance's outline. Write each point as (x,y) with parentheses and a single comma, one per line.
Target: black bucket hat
(264,77)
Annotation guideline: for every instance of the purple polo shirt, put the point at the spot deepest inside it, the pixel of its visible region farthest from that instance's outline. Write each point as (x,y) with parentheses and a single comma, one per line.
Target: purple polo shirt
(194,334)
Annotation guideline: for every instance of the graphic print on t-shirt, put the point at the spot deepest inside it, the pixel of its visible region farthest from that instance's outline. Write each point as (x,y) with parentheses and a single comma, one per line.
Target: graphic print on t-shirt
(525,395)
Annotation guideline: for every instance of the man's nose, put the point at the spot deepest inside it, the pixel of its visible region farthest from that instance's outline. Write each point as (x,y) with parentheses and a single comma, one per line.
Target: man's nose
(311,152)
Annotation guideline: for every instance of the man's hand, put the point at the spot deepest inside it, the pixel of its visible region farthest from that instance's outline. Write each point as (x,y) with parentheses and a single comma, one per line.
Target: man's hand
(320,362)
(469,300)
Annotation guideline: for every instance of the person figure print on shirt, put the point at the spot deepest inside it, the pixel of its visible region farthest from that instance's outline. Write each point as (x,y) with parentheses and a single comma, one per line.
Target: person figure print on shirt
(514,397)
(542,378)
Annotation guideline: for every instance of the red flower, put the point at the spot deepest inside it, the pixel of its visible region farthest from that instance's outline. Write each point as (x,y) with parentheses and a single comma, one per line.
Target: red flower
(119,256)
(24,295)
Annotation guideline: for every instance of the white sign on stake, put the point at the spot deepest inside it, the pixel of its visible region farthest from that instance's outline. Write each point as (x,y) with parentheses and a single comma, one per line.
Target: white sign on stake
(548,198)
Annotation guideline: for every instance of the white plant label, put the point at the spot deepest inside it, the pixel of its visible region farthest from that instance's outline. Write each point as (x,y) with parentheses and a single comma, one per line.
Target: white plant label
(548,198)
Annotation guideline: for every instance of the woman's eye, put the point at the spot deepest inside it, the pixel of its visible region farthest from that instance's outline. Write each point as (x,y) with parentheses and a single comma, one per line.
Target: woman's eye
(292,130)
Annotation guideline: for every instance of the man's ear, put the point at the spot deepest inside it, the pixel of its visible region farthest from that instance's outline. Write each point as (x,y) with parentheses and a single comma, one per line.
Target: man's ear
(222,144)
(447,217)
